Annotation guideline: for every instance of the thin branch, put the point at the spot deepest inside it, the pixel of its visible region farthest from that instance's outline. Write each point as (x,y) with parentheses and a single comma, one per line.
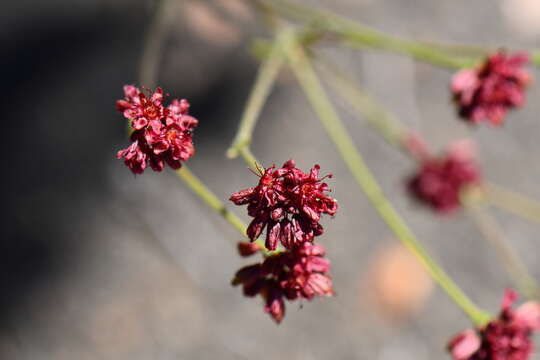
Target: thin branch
(329,118)
(494,235)
(512,202)
(210,199)
(151,55)
(266,77)
(365,106)
(358,35)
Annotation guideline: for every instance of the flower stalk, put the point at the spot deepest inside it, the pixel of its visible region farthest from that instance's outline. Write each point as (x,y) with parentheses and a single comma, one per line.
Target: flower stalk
(210,199)
(383,121)
(395,133)
(330,120)
(512,202)
(151,55)
(266,77)
(354,34)
(493,234)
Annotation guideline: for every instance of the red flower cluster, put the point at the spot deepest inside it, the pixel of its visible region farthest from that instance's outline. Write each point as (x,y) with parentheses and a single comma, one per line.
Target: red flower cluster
(507,337)
(161,134)
(486,93)
(440,180)
(289,203)
(298,273)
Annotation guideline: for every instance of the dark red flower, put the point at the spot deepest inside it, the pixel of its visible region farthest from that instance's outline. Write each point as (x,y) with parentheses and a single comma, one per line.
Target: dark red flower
(507,337)
(161,134)
(288,203)
(440,180)
(300,272)
(489,91)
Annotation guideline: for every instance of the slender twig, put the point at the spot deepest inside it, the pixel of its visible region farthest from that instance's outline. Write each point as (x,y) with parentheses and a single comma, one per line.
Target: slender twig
(151,55)
(210,199)
(394,132)
(383,121)
(250,159)
(512,202)
(535,57)
(266,77)
(355,34)
(492,232)
(329,118)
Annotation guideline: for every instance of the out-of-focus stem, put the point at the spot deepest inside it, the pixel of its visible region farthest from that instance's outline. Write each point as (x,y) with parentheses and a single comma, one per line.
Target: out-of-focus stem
(492,232)
(535,57)
(384,122)
(512,202)
(356,34)
(329,118)
(208,197)
(266,77)
(151,56)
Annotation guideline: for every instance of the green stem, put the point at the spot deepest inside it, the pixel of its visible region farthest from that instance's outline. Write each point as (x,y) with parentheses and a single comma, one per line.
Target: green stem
(394,132)
(384,122)
(266,77)
(512,202)
(492,232)
(356,34)
(208,197)
(329,118)
(250,159)
(149,63)
(535,57)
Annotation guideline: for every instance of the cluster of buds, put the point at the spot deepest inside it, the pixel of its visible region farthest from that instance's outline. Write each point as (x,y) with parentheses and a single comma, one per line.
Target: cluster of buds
(289,204)
(507,337)
(441,180)
(301,272)
(486,93)
(160,134)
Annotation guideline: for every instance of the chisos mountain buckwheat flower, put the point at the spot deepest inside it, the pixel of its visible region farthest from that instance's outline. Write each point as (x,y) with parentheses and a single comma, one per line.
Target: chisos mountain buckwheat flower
(288,203)
(161,134)
(440,180)
(507,337)
(487,92)
(299,272)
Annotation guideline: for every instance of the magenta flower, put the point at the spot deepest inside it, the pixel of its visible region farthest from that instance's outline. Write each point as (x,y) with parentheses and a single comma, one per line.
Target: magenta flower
(507,337)
(489,91)
(300,272)
(439,181)
(288,203)
(161,134)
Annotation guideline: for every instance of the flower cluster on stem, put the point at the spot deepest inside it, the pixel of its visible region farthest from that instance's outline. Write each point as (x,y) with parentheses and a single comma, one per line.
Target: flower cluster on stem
(161,135)
(440,180)
(289,204)
(299,272)
(506,337)
(487,92)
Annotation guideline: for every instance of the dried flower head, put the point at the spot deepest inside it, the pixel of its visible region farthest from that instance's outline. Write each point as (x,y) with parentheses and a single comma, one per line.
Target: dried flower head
(439,181)
(489,91)
(288,203)
(507,337)
(300,272)
(161,134)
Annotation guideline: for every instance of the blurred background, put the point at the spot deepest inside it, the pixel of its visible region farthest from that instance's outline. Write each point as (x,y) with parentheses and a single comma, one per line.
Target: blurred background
(99,264)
